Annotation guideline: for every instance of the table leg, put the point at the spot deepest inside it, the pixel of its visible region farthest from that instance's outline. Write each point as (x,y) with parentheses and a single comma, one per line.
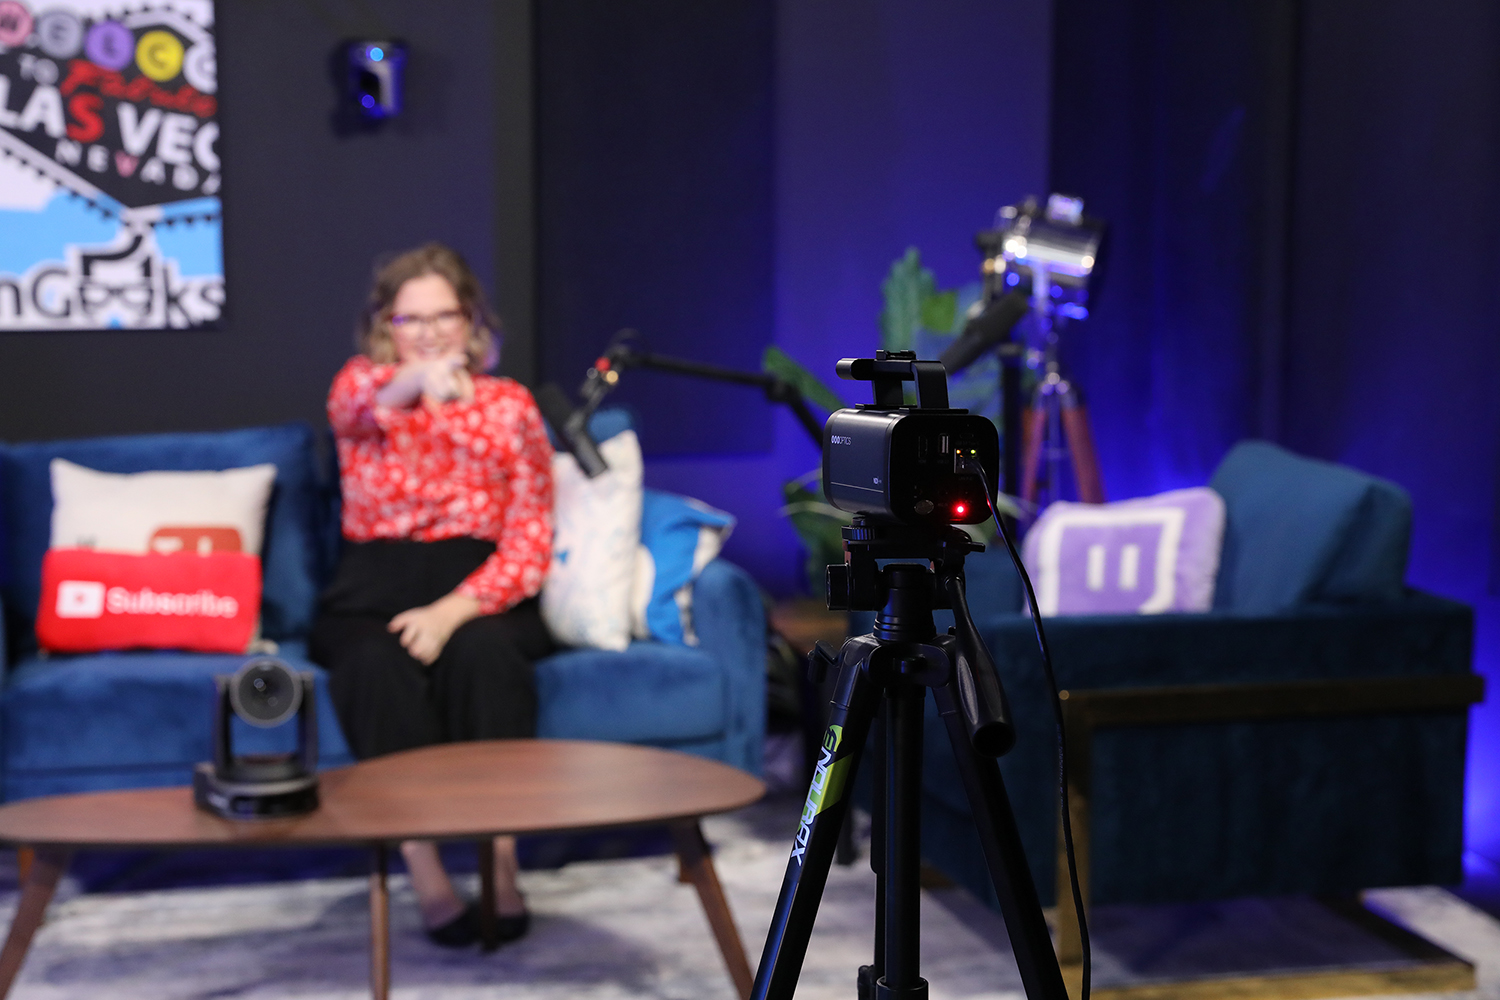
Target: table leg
(698,868)
(489,930)
(380,925)
(47,866)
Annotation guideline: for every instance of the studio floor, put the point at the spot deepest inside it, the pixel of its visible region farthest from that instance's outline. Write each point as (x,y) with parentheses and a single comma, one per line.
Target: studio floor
(628,929)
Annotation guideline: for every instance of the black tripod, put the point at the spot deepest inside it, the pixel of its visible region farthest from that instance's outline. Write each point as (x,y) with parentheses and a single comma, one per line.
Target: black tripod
(891,670)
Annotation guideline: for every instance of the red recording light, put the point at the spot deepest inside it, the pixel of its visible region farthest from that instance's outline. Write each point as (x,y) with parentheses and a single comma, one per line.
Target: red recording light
(959,510)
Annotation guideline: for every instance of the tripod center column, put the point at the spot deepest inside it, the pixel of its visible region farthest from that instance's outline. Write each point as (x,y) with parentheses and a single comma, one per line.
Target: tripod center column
(903,840)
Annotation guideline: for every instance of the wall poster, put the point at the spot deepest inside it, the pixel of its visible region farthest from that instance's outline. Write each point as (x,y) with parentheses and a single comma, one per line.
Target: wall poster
(109,165)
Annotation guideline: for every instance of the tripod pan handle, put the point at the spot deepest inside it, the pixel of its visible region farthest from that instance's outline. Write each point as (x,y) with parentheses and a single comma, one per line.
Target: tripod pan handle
(980,695)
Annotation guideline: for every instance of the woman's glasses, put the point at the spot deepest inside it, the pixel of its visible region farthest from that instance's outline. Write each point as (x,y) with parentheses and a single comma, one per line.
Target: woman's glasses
(447,321)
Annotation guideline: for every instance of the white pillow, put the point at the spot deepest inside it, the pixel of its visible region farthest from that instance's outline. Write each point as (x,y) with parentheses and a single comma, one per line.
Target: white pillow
(160,511)
(596,529)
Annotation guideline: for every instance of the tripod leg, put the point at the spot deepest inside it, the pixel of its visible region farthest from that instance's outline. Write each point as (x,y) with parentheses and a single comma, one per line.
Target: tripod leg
(1075,421)
(870,974)
(1004,856)
(849,715)
(1033,426)
(1010,420)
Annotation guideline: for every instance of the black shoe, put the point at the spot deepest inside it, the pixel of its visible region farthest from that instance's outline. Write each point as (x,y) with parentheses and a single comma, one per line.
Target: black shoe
(460,932)
(512,928)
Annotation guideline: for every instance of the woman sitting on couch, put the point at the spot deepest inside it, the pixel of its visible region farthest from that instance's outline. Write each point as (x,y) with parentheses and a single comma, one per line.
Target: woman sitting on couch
(430,627)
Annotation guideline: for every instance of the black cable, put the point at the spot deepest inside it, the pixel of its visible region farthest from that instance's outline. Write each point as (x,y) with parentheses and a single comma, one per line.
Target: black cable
(1062,753)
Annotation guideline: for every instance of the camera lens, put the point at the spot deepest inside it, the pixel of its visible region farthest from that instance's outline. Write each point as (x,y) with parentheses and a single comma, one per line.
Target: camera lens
(265,692)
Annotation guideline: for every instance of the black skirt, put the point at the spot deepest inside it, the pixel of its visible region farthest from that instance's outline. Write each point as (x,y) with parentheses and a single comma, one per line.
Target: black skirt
(480,687)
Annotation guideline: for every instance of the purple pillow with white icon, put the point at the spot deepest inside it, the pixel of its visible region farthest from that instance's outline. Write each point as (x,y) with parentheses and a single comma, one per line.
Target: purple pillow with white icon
(1145,556)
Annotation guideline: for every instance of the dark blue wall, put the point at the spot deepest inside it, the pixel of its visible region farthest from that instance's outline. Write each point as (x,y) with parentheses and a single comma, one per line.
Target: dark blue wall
(897,125)
(1304,248)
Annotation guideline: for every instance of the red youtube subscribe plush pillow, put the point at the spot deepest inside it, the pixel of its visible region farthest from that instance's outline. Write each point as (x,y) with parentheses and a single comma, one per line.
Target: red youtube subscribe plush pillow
(94,601)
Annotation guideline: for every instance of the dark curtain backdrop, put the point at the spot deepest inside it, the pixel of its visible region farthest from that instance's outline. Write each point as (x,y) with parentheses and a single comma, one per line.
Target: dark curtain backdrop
(1169,119)
(1303,200)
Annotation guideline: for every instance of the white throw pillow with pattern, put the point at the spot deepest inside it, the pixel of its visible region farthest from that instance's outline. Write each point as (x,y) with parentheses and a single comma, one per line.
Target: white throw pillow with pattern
(596,531)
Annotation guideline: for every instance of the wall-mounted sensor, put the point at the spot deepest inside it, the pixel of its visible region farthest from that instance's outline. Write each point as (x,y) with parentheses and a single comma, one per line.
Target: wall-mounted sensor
(374,77)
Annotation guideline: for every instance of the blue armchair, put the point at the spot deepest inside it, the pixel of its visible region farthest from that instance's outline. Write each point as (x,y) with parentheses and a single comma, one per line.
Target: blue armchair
(131,719)
(1305,736)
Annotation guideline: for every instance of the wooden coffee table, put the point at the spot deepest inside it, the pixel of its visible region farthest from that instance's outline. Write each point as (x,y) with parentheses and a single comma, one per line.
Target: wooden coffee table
(457,791)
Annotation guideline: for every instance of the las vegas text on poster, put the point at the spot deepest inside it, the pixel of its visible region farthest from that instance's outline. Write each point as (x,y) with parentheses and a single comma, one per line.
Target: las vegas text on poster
(109,165)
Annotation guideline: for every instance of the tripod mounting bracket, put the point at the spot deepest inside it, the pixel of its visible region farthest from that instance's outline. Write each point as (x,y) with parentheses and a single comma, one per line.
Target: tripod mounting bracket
(857,584)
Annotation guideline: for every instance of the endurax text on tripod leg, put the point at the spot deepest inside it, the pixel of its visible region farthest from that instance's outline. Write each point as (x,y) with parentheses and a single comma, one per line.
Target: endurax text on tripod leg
(854,701)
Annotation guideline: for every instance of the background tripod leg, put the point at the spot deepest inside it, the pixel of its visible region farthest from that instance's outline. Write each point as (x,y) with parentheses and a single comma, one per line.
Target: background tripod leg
(849,716)
(1033,427)
(1075,421)
(1004,856)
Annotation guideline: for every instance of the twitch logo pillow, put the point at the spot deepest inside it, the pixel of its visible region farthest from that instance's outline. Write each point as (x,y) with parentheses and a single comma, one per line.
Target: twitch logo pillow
(1145,556)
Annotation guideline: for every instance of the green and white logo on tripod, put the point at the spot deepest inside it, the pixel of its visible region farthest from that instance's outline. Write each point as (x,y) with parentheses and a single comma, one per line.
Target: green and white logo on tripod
(827,787)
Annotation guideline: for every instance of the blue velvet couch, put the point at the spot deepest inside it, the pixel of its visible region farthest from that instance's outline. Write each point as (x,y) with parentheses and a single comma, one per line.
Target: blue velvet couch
(130,719)
(1307,735)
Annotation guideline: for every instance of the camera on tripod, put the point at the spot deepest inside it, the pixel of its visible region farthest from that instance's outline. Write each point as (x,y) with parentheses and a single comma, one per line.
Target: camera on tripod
(908,463)
(910,475)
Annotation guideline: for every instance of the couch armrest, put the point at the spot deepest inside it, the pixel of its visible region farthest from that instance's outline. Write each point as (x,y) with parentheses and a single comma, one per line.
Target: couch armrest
(730,622)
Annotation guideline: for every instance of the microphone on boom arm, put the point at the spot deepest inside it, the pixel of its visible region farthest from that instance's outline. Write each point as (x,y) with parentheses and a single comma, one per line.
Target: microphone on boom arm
(572,426)
(984,331)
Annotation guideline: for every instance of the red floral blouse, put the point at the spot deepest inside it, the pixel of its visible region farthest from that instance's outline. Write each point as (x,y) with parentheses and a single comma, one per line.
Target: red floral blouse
(479,469)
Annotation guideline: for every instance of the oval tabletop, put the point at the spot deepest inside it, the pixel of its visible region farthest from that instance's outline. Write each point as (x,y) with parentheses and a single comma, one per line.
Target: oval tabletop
(452,791)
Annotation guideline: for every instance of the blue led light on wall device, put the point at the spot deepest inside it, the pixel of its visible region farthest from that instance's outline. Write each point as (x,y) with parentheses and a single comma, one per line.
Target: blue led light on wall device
(374,77)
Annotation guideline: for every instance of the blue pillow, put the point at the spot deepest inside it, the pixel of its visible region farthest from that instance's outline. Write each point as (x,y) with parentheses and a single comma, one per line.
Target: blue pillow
(682,536)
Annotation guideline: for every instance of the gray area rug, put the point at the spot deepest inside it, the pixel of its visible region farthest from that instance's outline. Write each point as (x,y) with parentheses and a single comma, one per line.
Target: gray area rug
(628,929)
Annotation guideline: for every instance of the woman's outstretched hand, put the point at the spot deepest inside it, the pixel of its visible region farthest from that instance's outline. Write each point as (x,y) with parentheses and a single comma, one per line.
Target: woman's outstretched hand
(445,379)
(436,380)
(426,630)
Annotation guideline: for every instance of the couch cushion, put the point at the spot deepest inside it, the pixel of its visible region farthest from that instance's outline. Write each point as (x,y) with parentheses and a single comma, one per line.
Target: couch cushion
(1299,530)
(650,693)
(290,552)
(121,712)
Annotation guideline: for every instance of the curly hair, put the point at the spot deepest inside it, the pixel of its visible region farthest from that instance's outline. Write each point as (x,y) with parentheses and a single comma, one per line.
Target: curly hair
(373,335)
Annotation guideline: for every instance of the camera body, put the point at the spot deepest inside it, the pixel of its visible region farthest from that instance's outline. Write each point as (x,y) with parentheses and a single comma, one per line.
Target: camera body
(911,464)
(903,464)
(265,692)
